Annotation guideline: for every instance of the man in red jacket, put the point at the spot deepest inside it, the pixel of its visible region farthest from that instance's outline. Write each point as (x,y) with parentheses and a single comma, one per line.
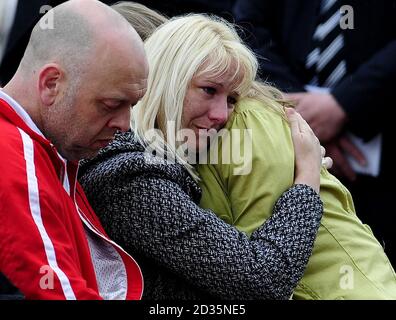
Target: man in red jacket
(82,70)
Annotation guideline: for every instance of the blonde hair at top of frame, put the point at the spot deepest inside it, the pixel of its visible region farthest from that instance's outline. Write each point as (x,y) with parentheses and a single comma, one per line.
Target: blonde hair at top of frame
(177,51)
(143,19)
(146,20)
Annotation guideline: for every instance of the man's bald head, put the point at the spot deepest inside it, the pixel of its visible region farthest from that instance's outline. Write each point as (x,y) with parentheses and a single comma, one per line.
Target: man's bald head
(78,80)
(79,27)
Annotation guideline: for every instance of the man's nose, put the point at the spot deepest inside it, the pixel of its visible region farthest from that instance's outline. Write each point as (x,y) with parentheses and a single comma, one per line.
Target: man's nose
(121,121)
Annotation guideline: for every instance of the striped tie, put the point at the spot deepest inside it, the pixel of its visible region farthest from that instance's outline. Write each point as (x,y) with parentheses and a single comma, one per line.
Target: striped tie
(325,62)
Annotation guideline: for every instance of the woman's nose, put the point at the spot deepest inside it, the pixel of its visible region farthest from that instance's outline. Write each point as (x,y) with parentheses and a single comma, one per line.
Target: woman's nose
(219,112)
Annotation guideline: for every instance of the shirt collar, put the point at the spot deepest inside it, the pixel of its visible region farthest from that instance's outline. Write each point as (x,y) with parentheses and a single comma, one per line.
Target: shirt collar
(21,112)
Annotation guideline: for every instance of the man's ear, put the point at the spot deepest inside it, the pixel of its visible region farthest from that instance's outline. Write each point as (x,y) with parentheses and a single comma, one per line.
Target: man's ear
(50,79)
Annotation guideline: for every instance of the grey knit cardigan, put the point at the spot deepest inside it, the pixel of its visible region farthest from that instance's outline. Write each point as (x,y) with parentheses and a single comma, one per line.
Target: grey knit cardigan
(151,209)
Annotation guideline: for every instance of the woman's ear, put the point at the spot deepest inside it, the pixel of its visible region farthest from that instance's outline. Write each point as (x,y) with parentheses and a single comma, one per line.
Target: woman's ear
(50,78)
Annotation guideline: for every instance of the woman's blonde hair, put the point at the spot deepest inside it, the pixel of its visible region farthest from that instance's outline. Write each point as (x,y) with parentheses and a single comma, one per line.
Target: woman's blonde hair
(143,19)
(177,51)
(270,97)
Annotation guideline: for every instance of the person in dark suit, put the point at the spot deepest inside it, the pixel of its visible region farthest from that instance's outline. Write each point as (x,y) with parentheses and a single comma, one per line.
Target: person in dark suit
(26,16)
(28,13)
(288,35)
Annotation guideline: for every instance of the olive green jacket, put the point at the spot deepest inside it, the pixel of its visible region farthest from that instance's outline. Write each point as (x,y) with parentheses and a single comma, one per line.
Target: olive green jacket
(347,261)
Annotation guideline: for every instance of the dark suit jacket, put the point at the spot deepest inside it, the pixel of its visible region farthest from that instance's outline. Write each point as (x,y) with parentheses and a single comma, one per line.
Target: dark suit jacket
(281,31)
(27,14)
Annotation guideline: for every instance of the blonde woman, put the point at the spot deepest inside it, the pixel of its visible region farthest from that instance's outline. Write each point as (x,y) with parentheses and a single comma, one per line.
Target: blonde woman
(347,261)
(149,203)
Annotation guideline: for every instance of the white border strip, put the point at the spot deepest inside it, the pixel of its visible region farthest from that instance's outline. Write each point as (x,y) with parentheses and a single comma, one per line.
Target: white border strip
(21,112)
(34,203)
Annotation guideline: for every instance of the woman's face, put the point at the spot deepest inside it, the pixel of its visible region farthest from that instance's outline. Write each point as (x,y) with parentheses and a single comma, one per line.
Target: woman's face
(208,104)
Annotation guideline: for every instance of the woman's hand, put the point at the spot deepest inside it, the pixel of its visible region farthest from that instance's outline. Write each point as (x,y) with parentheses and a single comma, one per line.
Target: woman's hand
(308,151)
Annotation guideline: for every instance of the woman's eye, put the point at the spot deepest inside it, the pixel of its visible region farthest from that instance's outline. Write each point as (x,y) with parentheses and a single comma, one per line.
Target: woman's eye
(209,90)
(231,100)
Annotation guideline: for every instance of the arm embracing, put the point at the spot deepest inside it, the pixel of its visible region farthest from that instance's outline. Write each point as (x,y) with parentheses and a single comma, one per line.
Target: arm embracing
(156,217)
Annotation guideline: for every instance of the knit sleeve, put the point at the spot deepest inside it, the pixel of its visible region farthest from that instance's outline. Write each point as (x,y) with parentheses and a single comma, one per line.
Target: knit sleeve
(157,218)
